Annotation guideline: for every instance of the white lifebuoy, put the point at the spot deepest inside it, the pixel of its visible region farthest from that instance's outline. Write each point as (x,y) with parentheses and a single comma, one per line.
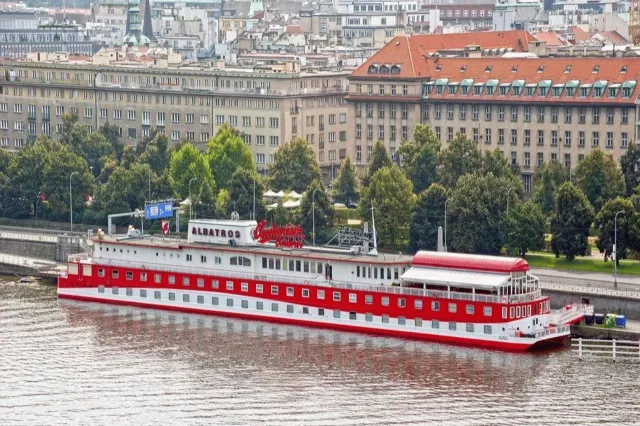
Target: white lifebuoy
(504,299)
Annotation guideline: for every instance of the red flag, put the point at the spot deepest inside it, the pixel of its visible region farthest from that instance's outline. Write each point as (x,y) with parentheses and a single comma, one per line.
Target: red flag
(165,227)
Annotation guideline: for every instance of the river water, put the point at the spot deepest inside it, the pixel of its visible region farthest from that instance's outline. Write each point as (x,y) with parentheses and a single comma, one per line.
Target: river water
(65,362)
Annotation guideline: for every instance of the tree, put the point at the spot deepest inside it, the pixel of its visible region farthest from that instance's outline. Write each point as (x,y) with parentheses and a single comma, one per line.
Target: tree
(345,187)
(241,194)
(494,162)
(571,222)
(206,205)
(546,182)
(126,189)
(605,224)
(186,164)
(60,162)
(420,157)
(281,216)
(630,164)
(294,166)
(323,209)
(226,153)
(128,157)
(222,204)
(461,157)
(599,178)
(379,159)
(427,217)
(475,213)
(391,194)
(524,226)
(156,153)
(112,133)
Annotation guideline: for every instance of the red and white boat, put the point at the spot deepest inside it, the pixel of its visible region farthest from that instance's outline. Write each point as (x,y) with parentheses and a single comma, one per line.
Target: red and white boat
(227,267)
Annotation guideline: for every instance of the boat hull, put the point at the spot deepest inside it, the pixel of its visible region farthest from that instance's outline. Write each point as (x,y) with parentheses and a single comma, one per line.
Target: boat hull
(510,344)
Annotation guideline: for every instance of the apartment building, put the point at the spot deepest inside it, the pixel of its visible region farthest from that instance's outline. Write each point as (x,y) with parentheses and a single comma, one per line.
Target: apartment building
(189,103)
(534,110)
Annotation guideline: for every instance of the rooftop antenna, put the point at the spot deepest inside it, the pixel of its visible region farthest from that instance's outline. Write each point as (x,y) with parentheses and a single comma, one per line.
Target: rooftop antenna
(373,252)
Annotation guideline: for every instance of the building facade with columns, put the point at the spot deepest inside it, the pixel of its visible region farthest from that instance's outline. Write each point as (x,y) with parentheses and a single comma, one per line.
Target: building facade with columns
(534,110)
(269,107)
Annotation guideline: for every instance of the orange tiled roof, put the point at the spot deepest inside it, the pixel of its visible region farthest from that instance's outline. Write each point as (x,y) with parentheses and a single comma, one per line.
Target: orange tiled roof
(408,51)
(552,38)
(559,72)
(579,34)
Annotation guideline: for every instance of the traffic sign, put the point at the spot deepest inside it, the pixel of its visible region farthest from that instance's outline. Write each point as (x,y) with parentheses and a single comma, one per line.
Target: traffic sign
(158,211)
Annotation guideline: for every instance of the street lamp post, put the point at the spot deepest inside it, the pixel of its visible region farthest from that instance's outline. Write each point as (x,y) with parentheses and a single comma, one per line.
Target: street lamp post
(146,148)
(508,191)
(71,201)
(615,248)
(445,223)
(190,197)
(313,215)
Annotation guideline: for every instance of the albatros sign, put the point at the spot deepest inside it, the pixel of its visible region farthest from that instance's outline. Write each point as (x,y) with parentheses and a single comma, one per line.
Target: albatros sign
(238,232)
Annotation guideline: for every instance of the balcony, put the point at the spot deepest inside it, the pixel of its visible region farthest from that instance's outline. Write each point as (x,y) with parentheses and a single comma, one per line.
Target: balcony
(32,116)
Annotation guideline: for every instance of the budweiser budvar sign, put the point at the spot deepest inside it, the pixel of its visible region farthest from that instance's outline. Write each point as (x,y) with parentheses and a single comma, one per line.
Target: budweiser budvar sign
(290,236)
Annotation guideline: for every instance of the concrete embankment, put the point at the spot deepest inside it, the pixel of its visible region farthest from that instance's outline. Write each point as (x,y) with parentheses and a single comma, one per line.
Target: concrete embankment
(591,332)
(34,249)
(603,303)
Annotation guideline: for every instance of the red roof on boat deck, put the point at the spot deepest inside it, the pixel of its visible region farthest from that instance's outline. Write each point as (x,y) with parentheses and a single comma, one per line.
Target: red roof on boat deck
(471,262)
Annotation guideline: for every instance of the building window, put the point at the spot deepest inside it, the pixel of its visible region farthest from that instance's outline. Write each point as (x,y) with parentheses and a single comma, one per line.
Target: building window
(385,319)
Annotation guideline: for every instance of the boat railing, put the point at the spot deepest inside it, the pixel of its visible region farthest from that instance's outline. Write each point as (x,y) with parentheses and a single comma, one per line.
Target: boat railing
(319,280)
(78,257)
(560,329)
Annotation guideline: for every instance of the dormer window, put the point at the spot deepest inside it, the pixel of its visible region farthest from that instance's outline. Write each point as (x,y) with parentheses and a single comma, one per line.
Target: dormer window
(514,68)
(383,69)
(395,69)
(488,68)
(373,69)
(567,69)
(623,70)
(463,68)
(596,69)
(540,69)
(438,67)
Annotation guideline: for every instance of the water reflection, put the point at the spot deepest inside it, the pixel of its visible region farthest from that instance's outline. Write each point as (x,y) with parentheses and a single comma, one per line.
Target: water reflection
(68,362)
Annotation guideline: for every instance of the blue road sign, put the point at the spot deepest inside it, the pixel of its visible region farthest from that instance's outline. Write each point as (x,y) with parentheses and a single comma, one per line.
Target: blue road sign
(158,211)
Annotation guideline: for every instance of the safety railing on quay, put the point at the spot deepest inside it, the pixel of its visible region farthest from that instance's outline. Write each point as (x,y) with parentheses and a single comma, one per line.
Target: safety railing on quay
(628,350)
(318,281)
(600,291)
(20,261)
(18,236)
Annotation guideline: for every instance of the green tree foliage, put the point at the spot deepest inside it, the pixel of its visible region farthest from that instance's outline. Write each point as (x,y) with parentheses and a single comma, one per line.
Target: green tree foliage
(281,216)
(524,226)
(546,182)
(571,222)
(157,153)
(461,157)
(420,157)
(627,224)
(112,133)
(206,205)
(190,163)
(475,213)
(630,164)
(391,194)
(222,204)
(427,216)
(345,187)
(599,178)
(126,189)
(294,167)
(93,147)
(241,194)
(494,162)
(379,159)
(226,153)
(128,157)
(323,208)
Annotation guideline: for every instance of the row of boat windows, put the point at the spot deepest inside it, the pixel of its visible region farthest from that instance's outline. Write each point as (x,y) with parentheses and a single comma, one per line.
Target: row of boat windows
(372,272)
(452,307)
(291,265)
(275,307)
(233,261)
